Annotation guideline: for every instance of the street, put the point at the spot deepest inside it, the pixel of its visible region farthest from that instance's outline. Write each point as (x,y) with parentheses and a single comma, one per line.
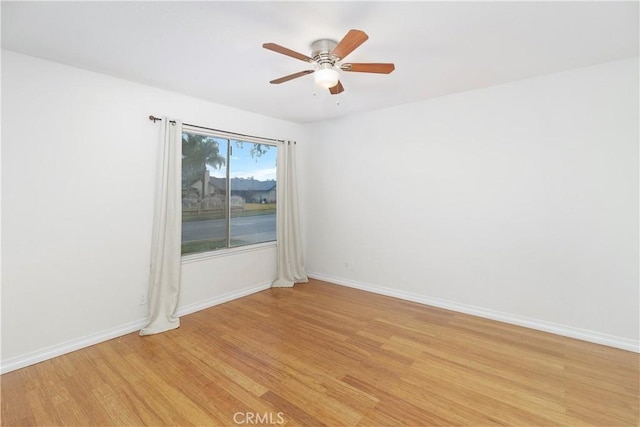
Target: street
(248,229)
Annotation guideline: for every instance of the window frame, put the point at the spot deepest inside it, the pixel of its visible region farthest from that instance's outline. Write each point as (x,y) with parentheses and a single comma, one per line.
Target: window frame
(228,250)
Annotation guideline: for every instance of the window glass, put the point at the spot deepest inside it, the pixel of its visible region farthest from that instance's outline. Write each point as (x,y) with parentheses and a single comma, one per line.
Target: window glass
(253,193)
(214,167)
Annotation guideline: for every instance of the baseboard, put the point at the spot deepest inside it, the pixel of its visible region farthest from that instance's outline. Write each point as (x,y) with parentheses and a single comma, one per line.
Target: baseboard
(563,330)
(571,332)
(69,346)
(192,308)
(89,340)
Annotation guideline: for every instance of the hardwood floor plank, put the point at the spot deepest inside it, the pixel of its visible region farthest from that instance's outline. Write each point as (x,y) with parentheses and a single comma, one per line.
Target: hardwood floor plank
(323,354)
(390,405)
(290,413)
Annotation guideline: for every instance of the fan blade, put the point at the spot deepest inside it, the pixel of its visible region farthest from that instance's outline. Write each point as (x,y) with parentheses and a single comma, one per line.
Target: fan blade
(291,77)
(368,68)
(336,89)
(349,43)
(283,50)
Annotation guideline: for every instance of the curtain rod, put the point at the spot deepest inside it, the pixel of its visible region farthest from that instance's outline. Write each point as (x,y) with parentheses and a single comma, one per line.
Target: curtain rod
(155,119)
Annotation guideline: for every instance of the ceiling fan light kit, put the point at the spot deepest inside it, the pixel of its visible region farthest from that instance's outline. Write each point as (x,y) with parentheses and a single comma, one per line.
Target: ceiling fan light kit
(326,76)
(326,55)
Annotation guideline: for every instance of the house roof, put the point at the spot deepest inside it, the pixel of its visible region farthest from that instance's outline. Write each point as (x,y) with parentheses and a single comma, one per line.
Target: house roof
(243,184)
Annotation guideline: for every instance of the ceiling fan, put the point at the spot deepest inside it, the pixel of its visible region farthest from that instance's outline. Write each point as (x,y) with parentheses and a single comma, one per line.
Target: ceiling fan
(327,56)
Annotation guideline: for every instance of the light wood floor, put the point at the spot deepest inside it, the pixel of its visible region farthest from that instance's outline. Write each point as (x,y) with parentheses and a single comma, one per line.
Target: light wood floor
(321,354)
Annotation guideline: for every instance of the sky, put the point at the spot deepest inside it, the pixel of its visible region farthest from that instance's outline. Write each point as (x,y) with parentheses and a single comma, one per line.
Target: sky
(243,165)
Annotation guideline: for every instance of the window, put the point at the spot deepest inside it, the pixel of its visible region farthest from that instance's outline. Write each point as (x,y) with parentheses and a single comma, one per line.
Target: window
(228,191)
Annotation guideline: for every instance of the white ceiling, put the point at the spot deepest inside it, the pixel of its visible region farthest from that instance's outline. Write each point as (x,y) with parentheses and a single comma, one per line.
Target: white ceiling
(213,50)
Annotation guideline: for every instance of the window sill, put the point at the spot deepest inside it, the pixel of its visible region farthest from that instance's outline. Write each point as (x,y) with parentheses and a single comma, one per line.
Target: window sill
(204,256)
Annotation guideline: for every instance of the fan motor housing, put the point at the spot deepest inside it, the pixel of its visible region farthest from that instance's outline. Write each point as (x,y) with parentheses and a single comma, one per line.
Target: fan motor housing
(321,51)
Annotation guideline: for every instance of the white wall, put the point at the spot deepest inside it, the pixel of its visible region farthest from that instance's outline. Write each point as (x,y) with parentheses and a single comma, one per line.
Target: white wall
(78,161)
(517,202)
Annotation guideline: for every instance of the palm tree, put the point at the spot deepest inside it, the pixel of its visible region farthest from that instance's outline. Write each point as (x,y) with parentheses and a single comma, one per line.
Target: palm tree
(198,152)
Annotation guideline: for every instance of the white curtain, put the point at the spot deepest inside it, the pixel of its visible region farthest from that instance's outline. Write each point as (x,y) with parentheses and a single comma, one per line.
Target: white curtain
(290,261)
(164,274)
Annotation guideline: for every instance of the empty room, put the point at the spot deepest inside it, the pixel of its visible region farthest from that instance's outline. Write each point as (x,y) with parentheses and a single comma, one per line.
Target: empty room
(317,213)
